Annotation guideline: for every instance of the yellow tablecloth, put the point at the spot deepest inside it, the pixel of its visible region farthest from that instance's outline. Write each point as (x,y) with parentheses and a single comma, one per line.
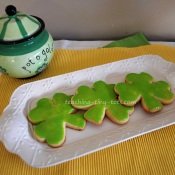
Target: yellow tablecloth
(152,153)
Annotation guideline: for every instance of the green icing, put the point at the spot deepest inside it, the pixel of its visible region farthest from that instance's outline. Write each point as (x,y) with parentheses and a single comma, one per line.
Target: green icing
(141,86)
(52,130)
(96,113)
(51,116)
(119,113)
(98,101)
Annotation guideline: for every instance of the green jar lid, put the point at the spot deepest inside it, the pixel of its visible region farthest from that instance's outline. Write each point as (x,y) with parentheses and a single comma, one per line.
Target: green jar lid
(17,27)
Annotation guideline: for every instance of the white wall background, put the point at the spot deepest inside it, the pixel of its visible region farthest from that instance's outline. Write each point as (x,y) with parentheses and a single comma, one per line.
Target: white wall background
(102,19)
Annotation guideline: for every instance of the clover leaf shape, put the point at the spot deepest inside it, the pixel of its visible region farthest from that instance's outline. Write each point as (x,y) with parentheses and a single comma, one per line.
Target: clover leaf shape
(51,116)
(98,101)
(153,94)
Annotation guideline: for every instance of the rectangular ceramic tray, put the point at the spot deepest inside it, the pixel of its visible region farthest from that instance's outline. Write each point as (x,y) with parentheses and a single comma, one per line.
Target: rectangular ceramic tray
(15,131)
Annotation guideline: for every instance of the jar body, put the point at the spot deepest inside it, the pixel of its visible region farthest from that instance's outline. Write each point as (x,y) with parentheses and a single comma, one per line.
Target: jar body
(27,59)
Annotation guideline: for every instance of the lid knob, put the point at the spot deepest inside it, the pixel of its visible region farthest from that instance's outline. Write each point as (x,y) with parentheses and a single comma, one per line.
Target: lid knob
(10,10)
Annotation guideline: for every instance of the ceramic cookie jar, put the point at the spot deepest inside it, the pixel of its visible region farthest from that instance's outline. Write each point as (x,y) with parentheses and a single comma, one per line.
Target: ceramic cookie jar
(26,48)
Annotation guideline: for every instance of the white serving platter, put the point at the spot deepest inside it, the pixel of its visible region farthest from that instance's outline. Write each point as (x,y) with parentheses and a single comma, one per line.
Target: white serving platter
(15,130)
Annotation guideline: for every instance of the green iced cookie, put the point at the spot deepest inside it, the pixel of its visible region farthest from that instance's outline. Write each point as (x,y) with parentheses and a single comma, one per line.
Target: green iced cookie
(98,101)
(50,118)
(142,87)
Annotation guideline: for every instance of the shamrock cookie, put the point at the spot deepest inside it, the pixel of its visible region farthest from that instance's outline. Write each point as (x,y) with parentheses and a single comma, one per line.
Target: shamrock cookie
(50,118)
(98,101)
(142,87)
